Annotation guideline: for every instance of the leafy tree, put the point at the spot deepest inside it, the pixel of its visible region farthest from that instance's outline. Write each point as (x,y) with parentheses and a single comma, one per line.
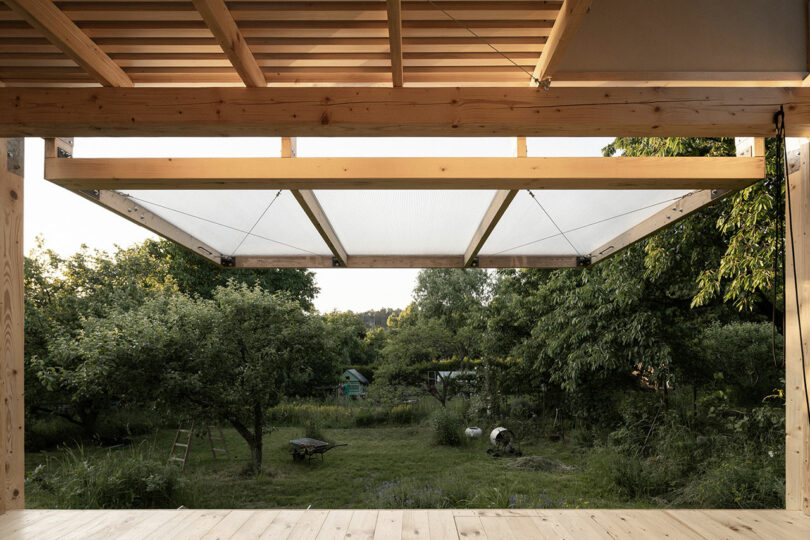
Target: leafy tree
(242,351)
(745,225)
(196,275)
(347,334)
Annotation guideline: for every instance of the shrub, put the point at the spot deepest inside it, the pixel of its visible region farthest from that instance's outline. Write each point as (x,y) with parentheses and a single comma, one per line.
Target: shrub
(313,428)
(447,426)
(370,417)
(123,479)
(737,482)
(520,407)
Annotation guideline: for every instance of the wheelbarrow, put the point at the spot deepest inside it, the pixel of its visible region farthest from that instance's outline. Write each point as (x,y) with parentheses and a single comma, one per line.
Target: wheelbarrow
(306,448)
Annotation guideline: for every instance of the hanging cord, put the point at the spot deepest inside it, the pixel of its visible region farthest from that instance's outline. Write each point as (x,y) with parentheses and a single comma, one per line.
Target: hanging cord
(535,80)
(779,119)
(779,236)
(559,230)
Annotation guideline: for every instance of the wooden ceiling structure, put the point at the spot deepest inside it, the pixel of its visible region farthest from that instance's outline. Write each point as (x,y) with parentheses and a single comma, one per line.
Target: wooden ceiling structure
(383,68)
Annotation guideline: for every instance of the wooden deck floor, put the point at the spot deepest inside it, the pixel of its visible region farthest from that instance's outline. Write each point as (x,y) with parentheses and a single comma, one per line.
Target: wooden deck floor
(405,524)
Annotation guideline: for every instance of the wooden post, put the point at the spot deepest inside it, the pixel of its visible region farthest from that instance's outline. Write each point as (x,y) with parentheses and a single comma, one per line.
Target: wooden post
(797,429)
(12,471)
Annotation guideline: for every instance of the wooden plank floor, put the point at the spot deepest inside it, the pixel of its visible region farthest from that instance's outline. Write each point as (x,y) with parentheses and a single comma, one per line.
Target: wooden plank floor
(405,524)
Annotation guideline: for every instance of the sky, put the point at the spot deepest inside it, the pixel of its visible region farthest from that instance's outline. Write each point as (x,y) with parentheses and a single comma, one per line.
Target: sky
(66,221)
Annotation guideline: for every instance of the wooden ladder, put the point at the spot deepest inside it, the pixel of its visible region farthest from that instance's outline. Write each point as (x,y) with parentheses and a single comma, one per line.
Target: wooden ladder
(220,439)
(186,446)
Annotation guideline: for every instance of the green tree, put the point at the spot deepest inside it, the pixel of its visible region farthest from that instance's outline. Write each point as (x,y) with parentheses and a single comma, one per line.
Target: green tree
(195,275)
(240,352)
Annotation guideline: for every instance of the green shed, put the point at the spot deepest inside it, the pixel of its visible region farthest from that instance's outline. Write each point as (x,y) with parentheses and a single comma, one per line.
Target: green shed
(354,383)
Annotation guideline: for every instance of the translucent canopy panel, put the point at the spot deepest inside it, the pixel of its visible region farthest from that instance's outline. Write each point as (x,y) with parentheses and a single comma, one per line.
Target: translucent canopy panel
(237,222)
(412,222)
(176,147)
(558,222)
(407,147)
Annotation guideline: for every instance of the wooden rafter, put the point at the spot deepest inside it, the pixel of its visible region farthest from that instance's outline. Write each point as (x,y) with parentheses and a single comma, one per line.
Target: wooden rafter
(70,39)
(751,147)
(565,26)
(407,173)
(312,208)
(220,21)
(62,149)
(340,111)
(395,39)
(500,202)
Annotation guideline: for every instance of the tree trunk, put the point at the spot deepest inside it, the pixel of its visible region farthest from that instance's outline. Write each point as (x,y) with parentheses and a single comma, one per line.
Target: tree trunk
(258,429)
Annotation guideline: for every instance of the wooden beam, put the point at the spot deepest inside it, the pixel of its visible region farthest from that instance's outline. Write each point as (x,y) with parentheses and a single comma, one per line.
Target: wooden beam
(62,149)
(12,314)
(746,148)
(70,39)
(220,21)
(675,211)
(406,173)
(132,211)
(395,39)
(312,208)
(797,367)
(500,202)
(342,111)
(408,261)
(565,26)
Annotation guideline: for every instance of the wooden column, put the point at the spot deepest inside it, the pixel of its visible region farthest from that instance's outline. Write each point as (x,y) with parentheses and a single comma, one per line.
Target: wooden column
(797,443)
(12,472)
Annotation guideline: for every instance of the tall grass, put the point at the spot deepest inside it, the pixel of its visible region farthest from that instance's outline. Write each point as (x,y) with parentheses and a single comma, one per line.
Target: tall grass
(126,478)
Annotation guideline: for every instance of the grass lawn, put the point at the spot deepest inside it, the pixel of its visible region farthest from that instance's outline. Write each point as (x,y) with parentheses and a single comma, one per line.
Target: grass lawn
(381,467)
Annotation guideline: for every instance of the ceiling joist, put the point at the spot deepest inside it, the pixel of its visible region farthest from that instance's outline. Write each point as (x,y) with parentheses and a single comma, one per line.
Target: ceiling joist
(60,30)
(407,173)
(220,21)
(395,39)
(343,111)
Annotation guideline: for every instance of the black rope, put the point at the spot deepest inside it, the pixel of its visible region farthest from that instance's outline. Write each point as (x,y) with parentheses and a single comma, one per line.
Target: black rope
(779,120)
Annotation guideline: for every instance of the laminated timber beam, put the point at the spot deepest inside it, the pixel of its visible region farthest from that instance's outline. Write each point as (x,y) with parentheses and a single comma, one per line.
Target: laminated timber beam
(62,150)
(220,21)
(376,111)
(565,26)
(406,173)
(60,30)
(312,208)
(747,148)
(407,261)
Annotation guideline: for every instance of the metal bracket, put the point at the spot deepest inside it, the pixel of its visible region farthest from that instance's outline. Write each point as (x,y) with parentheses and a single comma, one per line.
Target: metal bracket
(15,150)
(583,261)
(227,262)
(62,153)
(474,263)
(718,193)
(336,262)
(94,193)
